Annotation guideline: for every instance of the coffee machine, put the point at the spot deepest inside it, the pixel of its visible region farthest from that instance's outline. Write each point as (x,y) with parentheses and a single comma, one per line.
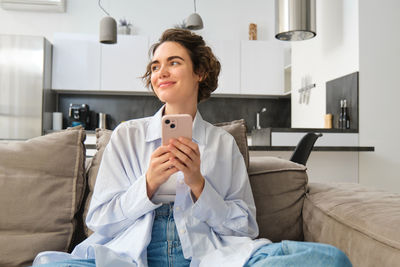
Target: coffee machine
(79,114)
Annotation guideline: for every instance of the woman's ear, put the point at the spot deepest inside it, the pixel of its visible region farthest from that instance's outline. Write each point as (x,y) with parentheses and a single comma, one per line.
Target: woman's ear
(202,77)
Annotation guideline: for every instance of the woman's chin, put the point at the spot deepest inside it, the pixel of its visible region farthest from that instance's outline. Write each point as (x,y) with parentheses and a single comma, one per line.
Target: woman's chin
(163,99)
(166,97)
(174,97)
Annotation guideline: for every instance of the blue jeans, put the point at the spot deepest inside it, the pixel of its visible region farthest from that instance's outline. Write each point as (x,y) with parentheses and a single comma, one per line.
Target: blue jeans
(70,263)
(165,248)
(294,253)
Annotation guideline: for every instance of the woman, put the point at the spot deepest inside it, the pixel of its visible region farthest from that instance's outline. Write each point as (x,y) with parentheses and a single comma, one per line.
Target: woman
(210,217)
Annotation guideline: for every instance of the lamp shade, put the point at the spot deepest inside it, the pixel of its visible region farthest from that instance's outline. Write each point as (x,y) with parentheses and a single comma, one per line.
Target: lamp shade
(108,30)
(194,22)
(295,20)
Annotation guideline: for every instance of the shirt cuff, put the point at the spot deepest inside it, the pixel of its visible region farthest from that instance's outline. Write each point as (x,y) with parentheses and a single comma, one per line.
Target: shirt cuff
(210,207)
(135,202)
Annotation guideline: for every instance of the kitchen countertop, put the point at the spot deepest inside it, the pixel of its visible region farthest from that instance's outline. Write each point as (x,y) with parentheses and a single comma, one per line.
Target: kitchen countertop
(91,144)
(341,146)
(317,130)
(316,148)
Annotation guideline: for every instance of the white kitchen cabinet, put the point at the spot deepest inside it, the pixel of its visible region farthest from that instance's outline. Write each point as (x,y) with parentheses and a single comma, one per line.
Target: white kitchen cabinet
(80,62)
(262,68)
(76,62)
(228,54)
(123,64)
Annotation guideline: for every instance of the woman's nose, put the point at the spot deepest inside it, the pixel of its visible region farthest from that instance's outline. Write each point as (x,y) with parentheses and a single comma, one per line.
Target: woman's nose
(164,72)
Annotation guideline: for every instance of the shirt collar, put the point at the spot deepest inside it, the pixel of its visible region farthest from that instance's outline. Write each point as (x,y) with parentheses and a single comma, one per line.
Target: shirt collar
(154,128)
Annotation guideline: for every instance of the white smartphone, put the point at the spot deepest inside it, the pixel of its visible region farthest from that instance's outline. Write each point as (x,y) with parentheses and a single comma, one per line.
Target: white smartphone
(175,126)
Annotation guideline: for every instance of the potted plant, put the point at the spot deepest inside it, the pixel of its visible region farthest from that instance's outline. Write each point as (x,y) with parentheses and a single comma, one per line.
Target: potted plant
(124,26)
(181,25)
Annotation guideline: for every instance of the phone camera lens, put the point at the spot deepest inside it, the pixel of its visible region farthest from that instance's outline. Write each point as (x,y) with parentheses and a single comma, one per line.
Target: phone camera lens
(172,125)
(167,121)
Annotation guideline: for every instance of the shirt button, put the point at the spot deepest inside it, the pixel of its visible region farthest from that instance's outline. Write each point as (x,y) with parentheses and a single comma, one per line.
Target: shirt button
(181,181)
(178,208)
(183,231)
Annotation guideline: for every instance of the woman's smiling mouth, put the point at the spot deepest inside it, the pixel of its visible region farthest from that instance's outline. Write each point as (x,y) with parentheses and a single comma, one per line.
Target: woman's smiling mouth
(165,84)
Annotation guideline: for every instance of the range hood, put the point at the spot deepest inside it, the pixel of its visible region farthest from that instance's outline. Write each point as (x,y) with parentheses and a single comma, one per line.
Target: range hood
(295,20)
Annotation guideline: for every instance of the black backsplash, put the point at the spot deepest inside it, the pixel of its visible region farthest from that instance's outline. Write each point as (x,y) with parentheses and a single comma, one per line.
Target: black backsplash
(345,87)
(278,112)
(216,109)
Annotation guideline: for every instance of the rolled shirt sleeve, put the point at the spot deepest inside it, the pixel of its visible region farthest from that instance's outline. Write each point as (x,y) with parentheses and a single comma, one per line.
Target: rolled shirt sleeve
(210,207)
(135,201)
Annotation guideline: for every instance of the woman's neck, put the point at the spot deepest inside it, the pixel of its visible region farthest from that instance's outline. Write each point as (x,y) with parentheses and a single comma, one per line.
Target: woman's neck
(179,109)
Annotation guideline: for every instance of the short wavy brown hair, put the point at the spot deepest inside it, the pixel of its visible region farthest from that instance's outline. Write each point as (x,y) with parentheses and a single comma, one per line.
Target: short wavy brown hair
(204,61)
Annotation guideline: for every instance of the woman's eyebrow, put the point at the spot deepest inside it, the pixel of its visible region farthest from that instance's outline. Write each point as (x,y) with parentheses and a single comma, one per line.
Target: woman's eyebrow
(154,62)
(168,59)
(174,57)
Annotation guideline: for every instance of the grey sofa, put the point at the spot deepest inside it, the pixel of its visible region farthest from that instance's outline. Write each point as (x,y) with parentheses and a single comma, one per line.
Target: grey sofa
(46,185)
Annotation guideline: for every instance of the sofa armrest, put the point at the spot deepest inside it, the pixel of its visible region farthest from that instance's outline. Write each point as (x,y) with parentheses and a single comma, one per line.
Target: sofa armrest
(279,188)
(360,221)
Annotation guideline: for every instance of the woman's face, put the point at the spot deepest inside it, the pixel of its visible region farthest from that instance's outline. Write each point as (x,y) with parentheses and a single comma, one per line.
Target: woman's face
(172,76)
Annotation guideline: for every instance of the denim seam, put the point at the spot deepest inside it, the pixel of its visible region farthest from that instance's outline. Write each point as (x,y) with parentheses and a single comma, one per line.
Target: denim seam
(284,247)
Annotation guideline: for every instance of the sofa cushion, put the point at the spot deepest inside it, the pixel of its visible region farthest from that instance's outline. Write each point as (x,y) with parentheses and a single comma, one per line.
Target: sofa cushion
(279,188)
(238,130)
(41,183)
(360,221)
(102,138)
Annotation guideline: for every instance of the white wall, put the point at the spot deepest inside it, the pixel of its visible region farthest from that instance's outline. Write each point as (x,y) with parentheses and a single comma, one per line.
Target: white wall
(357,35)
(223,19)
(380,93)
(331,54)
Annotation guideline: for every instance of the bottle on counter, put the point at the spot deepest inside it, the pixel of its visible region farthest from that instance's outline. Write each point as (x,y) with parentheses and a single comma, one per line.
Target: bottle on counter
(346,117)
(341,115)
(328,121)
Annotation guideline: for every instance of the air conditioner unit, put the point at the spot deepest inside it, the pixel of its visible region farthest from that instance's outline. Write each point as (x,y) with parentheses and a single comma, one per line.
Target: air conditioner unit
(34,5)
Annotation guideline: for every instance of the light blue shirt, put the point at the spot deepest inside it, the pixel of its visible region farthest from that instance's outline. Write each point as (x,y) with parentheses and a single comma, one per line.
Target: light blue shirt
(217,228)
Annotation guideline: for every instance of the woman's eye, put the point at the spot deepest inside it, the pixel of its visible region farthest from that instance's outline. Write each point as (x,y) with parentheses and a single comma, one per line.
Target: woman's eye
(154,68)
(174,63)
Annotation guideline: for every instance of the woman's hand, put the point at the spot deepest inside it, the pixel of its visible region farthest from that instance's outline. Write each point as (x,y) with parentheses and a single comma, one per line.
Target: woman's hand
(160,169)
(186,158)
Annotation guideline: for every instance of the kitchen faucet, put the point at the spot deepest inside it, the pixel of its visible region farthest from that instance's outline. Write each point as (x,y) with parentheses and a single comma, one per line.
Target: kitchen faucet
(258,117)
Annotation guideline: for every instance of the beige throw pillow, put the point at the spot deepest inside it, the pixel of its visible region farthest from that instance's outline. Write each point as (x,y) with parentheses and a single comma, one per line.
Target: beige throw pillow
(102,139)
(238,130)
(41,188)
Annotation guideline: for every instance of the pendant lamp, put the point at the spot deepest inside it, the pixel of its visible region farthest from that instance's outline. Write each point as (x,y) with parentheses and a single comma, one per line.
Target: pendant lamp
(295,20)
(194,21)
(108,28)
